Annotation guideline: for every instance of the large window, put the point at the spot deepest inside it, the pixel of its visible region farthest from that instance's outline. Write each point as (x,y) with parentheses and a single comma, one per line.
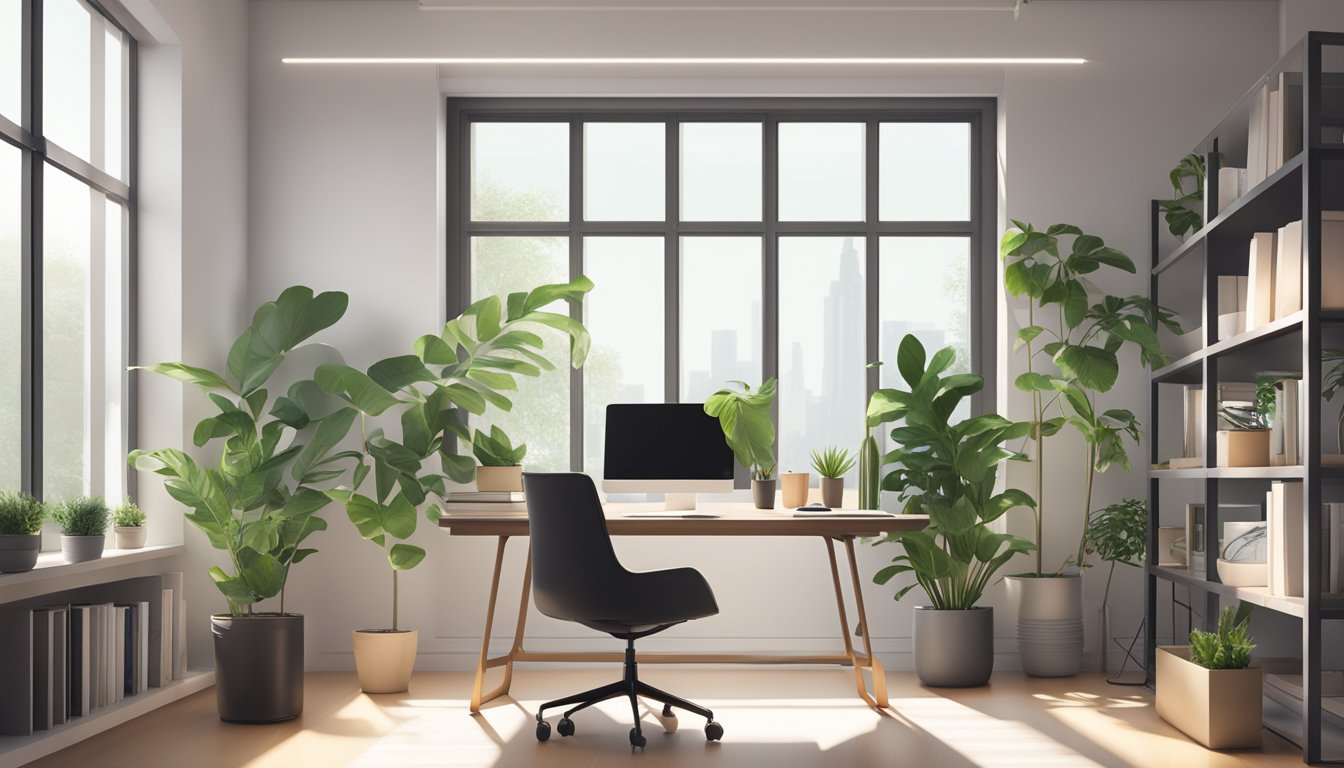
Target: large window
(66,234)
(729,239)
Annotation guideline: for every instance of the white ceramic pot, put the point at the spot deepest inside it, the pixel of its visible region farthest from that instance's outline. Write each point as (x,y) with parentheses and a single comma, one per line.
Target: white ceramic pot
(385,658)
(130,536)
(1049,623)
(496,479)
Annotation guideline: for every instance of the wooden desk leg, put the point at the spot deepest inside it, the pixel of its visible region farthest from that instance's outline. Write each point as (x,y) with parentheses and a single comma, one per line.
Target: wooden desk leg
(840,604)
(523,599)
(875,666)
(477,698)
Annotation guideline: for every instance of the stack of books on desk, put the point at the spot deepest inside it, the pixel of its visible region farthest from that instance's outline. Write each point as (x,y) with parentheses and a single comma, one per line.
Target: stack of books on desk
(477,502)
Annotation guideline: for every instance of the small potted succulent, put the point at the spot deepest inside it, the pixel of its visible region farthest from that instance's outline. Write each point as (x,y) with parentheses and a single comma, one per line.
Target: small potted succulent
(128,523)
(21,518)
(1208,689)
(83,522)
(501,461)
(832,464)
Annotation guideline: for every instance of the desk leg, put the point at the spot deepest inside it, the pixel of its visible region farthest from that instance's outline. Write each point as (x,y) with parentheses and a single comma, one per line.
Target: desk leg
(874,666)
(483,662)
(858,661)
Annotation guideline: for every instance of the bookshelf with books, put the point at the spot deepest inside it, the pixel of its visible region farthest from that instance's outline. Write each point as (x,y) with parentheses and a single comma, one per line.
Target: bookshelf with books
(1240,416)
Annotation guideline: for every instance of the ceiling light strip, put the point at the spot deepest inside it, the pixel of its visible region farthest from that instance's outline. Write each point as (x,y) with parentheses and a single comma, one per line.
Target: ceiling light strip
(636,60)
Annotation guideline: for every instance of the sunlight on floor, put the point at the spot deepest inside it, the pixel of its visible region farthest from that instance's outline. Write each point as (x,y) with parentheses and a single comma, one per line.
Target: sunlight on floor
(986,741)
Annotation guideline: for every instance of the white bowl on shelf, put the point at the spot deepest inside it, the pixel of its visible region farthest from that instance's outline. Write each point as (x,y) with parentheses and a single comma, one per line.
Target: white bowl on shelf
(1242,574)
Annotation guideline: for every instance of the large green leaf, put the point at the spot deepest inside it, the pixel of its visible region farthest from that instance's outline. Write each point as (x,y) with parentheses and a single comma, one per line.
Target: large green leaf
(404,557)
(366,394)
(277,327)
(1093,367)
(330,431)
(396,372)
(201,377)
(910,360)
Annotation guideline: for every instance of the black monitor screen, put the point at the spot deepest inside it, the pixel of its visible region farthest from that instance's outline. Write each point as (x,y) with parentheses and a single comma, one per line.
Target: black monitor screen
(665,442)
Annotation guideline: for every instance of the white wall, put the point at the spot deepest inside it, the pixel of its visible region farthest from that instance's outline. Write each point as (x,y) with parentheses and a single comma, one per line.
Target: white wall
(344,192)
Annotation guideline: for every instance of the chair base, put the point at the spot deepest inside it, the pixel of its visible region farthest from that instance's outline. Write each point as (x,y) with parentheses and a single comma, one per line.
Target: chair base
(633,688)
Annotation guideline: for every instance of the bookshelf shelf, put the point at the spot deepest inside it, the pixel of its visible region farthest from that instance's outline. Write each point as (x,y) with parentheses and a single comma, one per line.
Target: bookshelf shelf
(1333,608)
(53,574)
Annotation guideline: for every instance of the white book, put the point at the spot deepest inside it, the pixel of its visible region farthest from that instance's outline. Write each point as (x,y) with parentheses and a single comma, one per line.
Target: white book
(1229,186)
(1291,512)
(60,664)
(142,646)
(1273,533)
(96,640)
(1194,421)
(1260,280)
(1256,139)
(118,653)
(109,654)
(1274,141)
(1288,270)
(179,640)
(1292,420)
(166,639)
(1290,90)
(42,673)
(1332,259)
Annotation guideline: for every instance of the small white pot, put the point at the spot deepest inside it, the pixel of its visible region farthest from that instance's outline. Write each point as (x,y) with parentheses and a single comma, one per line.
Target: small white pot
(130,536)
(494,479)
(385,659)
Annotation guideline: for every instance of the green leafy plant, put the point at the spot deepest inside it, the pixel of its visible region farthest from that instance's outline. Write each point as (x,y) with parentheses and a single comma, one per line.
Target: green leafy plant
(833,461)
(1072,345)
(747,425)
(947,471)
(495,449)
(1183,211)
(20,514)
(81,516)
(1118,534)
(128,515)
(1228,647)
(261,503)
(468,367)
(1259,414)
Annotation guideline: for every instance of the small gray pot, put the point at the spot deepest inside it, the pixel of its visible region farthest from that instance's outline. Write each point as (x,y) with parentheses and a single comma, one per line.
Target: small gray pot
(77,549)
(18,551)
(763,493)
(833,492)
(954,649)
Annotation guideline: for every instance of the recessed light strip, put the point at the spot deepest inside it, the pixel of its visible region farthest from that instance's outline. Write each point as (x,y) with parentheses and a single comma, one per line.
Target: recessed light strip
(679,60)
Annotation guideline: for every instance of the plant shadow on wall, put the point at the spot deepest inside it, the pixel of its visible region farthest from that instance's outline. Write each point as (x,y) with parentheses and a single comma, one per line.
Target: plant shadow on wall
(1071,345)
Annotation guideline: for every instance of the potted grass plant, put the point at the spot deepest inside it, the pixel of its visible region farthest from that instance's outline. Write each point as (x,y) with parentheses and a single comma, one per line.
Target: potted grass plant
(21,518)
(501,461)
(745,418)
(832,464)
(948,471)
(83,522)
(1208,689)
(128,524)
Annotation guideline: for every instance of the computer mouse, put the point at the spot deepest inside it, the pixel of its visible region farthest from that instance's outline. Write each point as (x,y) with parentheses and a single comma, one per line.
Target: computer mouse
(814,508)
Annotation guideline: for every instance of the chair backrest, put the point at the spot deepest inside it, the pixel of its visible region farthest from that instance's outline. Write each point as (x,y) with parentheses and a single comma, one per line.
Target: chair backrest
(574,567)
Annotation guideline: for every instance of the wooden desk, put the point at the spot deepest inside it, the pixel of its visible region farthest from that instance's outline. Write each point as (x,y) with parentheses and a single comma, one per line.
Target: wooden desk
(734,519)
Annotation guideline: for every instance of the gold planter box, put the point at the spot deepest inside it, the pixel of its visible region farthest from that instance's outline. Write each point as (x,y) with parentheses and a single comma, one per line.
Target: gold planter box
(1219,708)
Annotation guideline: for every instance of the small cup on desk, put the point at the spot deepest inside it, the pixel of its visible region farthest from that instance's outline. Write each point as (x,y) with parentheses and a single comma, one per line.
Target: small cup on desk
(795,488)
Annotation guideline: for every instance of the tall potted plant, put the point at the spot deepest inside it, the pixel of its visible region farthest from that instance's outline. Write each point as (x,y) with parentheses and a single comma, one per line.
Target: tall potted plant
(468,367)
(747,425)
(1071,345)
(21,518)
(260,504)
(948,472)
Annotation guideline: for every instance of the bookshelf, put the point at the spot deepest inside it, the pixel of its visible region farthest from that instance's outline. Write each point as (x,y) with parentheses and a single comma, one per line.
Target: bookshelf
(1301,188)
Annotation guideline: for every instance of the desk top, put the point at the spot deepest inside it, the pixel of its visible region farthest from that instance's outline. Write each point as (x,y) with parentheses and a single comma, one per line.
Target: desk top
(733,519)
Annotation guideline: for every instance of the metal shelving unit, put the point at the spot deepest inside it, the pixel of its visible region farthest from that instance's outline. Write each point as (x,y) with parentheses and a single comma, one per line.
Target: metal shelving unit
(1305,185)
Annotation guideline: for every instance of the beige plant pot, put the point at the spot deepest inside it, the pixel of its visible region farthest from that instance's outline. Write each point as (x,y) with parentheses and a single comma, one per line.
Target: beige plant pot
(795,488)
(130,536)
(492,479)
(833,492)
(385,658)
(1219,708)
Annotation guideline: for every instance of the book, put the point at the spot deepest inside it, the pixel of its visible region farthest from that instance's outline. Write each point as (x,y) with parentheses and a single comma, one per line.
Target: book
(42,653)
(1290,133)
(166,639)
(118,681)
(1194,423)
(1273,126)
(1288,270)
(1272,535)
(485,497)
(472,508)
(1230,181)
(79,660)
(1284,530)
(1256,139)
(1260,280)
(60,664)
(1332,259)
(174,582)
(142,646)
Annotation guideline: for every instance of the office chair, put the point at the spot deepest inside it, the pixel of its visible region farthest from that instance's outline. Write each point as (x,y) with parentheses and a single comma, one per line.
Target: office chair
(576,577)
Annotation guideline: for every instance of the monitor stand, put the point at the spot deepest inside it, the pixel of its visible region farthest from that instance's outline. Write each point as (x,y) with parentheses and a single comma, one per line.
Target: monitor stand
(679,502)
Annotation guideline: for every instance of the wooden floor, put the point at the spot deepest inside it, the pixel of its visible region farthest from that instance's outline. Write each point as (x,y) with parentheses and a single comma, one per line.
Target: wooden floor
(774,718)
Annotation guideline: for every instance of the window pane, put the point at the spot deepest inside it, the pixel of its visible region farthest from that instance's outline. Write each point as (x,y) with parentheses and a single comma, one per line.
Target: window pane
(821,171)
(11,317)
(625,316)
(540,418)
(114,352)
(624,171)
(924,171)
(519,171)
(721,172)
(924,289)
(67,208)
(11,59)
(821,346)
(66,96)
(113,102)
(720,314)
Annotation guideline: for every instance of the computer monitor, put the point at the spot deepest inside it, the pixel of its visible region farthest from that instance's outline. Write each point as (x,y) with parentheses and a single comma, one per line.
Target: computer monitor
(673,448)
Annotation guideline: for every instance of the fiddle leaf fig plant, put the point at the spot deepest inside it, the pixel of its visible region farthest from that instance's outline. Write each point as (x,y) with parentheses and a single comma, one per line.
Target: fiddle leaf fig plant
(747,425)
(260,504)
(469,367)
(1183,211)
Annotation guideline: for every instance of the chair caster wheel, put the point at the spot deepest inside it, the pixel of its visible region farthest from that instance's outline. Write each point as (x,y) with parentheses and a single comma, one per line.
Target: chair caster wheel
(667,711)
(543,730)
(636,738)
(713,731)
(565,727)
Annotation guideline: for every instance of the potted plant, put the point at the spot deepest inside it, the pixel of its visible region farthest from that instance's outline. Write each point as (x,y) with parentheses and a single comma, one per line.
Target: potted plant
(128,523)
(832,464)
(1118,534)
(1208,689)
(83,522)
(21,518)
(948,472)
(467,367)
(1072,344)
(261,503)
(745,418)
(501,462)
(1184,213)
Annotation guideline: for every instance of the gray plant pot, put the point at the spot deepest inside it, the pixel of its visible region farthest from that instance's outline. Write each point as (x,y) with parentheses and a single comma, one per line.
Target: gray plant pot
(78,549)
(18,551)
(954,649)
(1049,623)
(763,493)
(258,667)
(833,492)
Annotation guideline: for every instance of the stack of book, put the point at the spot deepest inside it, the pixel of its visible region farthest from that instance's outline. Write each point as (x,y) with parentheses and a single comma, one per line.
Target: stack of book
(1274,133)
(1274,272)
(1283,532)
(478,502)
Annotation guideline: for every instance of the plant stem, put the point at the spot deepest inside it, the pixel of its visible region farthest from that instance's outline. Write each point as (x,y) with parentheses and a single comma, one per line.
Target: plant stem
(282,600)
(1087,506)
(1107,593)
(1037,415)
